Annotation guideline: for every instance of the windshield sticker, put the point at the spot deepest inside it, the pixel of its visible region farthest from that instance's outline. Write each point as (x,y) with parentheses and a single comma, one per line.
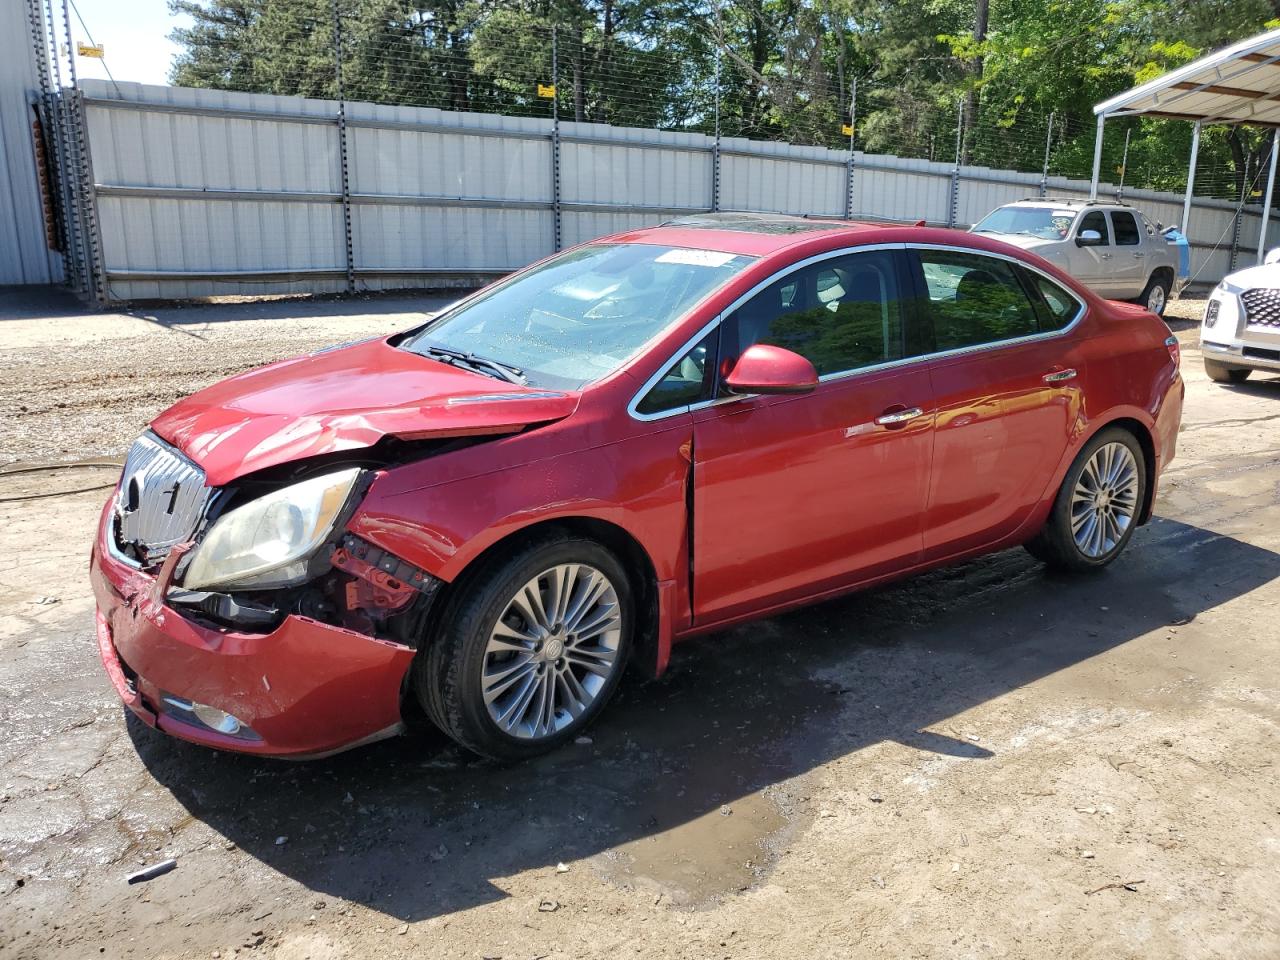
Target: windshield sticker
(695,258)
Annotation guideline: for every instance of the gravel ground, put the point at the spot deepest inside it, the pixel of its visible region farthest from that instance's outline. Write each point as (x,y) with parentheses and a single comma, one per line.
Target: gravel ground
(985,761)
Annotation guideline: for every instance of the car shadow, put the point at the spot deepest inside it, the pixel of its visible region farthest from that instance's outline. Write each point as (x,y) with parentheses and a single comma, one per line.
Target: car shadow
(415,828)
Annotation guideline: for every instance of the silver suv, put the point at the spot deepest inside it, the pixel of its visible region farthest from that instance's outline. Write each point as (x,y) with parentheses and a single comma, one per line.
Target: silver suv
(1240,331)
(1109,247)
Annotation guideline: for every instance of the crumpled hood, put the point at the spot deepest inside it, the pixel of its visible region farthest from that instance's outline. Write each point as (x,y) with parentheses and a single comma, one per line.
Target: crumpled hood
(344,399)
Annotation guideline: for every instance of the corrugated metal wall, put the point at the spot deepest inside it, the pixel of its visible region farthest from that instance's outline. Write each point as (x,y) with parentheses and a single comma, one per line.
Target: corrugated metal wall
(25,256)
(204,192)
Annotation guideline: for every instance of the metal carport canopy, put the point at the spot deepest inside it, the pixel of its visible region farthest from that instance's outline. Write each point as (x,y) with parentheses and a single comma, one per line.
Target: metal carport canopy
(1238,84)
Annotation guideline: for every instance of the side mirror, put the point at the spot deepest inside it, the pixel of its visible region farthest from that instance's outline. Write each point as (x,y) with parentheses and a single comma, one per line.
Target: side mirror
(1273,256)
(1089,238)
(767,369)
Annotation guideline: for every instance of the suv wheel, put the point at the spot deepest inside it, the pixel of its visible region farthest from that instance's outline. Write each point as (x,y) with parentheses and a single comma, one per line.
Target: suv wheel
(531,650)
(1156,295)
(1097,506)
(1221,373)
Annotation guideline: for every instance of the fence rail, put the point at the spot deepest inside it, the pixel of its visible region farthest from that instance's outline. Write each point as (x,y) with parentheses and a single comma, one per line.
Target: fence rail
(200,192)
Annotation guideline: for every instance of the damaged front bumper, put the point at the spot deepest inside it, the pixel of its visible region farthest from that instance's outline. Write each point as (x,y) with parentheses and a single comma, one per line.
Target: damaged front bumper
(304,689)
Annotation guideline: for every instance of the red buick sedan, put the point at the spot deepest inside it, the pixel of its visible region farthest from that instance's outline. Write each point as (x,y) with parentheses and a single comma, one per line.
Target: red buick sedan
(648,437)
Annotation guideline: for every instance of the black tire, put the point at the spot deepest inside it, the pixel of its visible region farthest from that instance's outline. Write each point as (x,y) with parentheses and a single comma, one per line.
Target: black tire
(1157,281)
(1220,372)
(1054,544)
(448,672)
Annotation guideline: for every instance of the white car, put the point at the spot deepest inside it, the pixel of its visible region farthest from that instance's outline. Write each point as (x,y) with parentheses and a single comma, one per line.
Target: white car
(1240,331)
(1108,246)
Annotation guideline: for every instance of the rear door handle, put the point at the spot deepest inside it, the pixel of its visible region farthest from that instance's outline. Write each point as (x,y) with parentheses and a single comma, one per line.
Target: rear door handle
(1139,254)
(899,416)
(1058,376)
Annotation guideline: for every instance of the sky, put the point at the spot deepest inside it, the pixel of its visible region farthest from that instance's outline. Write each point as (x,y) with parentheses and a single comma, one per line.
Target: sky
(134,35)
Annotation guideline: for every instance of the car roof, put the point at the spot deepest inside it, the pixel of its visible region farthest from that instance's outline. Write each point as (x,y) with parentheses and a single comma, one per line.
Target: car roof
(754,234)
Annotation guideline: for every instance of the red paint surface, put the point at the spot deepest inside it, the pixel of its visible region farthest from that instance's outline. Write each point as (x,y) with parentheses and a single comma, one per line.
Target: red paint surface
(344,399)
(794,497)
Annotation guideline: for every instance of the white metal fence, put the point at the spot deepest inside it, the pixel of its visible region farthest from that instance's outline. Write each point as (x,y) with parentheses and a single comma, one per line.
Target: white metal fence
(205,192)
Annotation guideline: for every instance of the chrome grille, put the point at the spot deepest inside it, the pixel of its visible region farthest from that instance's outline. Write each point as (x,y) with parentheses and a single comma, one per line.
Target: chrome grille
(1262,307)
(162,497)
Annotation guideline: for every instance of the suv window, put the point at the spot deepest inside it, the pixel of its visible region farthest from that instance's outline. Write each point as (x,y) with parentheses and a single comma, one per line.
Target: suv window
(974,299)
(839,314)
(1095,220)
(1127,232)
(685,383)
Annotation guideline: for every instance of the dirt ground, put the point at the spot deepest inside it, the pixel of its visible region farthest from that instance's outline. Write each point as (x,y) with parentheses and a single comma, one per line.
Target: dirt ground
(982,762)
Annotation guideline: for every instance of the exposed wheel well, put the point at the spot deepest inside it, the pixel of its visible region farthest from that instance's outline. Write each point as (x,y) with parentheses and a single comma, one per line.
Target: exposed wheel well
(1163,273)
(1143,436)
(633,557)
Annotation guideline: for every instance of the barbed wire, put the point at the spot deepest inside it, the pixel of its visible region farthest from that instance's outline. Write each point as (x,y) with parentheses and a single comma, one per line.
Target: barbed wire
(707,83)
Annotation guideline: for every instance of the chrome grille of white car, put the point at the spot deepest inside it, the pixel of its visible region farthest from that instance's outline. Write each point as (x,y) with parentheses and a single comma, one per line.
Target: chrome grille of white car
(1262,307)
(162,497)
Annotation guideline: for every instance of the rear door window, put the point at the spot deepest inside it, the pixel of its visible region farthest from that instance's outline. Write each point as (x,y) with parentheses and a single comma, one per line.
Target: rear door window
(974,299)
(1127,232)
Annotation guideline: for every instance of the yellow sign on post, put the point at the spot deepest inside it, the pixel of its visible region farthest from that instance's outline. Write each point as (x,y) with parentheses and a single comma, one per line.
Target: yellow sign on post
(547,90)
(89,50)
(847,130)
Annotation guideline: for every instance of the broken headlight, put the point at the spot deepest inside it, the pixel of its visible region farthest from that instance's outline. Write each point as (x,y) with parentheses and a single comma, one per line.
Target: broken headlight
(269,541)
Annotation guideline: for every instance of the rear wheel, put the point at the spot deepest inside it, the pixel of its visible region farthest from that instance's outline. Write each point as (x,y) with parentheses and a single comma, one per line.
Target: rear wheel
(1219,372)
(1156,295)
(1097,506)
(531,650)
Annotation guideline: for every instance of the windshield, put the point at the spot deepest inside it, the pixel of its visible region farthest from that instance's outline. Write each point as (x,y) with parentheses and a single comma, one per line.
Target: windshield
(579,316)
(1043,222)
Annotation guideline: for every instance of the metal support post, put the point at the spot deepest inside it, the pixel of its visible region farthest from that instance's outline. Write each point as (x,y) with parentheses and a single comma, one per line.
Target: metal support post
(87,199)
(344,167)
(715,149)
(555,141)
(1044,173)
(1097,157)
(1191,179)
(1124,166)
(1270,191)
(853,132)
(1235,222)
(953,206)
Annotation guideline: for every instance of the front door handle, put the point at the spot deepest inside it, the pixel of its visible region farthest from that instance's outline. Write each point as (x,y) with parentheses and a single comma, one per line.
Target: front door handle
(1058,376)
(896,417)
(1105,256)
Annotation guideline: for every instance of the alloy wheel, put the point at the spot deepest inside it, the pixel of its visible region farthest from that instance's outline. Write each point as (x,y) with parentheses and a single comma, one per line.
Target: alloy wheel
(552,651)
(1104,500)
(1156,299)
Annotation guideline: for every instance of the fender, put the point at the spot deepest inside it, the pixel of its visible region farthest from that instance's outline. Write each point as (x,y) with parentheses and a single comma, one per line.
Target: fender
(1038,517)
(637,485)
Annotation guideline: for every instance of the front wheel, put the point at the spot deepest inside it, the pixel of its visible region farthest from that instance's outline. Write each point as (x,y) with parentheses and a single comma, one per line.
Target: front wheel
(1097,506)
(1221,373)
(531,649)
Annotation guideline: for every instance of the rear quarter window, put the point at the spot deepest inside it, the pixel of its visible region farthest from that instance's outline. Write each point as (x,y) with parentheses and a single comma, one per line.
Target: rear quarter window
(1058,307)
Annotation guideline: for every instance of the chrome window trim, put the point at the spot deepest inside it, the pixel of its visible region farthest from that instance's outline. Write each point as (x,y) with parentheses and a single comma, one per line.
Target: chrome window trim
(1082,309)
